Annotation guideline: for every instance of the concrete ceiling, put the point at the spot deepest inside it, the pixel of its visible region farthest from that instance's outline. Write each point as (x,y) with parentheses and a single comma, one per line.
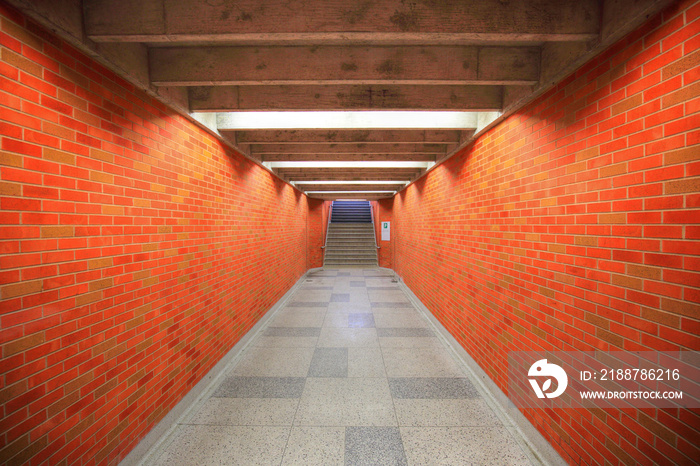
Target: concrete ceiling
(219,56)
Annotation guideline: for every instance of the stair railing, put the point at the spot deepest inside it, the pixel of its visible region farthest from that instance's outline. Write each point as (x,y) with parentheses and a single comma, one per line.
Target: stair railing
(374,228)
(328,226)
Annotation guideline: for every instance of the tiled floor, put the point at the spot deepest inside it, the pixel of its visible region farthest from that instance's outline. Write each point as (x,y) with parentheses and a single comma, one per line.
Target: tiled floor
(349,372)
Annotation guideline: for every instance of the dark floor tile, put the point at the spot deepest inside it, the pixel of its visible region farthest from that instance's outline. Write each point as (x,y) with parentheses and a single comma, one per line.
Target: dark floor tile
(340,297)
(261,387)
(292,332)
(358,284)
(300,304)
(389,304)
(405,332)
(432,388)
(374,446)
(329,362)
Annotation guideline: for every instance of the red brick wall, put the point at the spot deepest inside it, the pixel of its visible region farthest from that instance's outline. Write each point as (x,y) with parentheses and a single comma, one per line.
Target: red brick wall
(135,251)
(318,224)
(382,213)
(574,225)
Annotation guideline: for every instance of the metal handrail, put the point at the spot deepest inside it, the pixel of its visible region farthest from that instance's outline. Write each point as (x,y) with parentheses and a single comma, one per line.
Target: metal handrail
(328,227)
(374,228)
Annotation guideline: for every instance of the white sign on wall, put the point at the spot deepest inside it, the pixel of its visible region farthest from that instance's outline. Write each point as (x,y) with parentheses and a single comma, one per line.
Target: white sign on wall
(386,231)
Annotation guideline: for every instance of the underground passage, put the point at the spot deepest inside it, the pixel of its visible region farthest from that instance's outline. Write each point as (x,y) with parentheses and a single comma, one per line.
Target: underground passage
(314,232)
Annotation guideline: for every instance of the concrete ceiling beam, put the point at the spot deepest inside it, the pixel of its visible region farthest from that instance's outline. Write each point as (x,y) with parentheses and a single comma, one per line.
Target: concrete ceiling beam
(345,97)
(340,136)
(348,157)
(360,148)
(302,22)
(279,65)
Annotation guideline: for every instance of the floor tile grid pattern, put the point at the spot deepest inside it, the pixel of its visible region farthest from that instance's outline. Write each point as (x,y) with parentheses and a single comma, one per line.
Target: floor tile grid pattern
(348,372)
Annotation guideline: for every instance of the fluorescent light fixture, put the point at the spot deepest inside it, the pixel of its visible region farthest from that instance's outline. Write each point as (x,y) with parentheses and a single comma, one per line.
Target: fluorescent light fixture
(348,164)
(347,120)
(351,182)
(350,192)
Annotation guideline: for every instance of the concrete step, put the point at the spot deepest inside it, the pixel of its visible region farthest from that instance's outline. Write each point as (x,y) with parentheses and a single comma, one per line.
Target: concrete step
(350,242)
(339,262)
(350,252)
(351,235)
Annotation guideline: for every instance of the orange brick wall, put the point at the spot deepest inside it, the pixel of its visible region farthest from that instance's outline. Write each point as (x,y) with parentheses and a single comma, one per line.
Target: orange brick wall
(318,224)
(574,225)
(382,213)
(135,251)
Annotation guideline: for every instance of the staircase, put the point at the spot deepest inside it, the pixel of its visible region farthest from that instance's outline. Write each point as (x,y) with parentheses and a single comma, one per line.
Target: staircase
(351,238)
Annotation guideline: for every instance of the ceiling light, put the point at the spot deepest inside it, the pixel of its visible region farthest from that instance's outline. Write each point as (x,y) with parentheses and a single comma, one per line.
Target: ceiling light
(350,192)
(348,164)
(350,182)
(347,120)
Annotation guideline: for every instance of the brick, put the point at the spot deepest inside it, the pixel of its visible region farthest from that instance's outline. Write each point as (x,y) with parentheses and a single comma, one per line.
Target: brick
(681,95)
(691,185)
(22,344)
(21,62)
(56,232)
(20,289)
(59,156)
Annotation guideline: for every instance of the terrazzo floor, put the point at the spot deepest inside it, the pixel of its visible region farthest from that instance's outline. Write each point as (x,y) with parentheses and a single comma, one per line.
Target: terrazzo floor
(348,372)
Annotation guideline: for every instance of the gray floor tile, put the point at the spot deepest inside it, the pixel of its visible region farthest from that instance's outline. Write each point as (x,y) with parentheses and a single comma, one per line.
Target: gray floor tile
(260,387)
(247,412)
(461,445)
(286,342)
(374,446)
(409,342)
(406,318)
(454,412)
(316,288)
(307,304)
(350,307)
(432,387)
(263,361)
(303,296)
(365,362)
(361,320)
(340,297)
(426,362)
(405,332)
(355,284)
(348,337)
(315,445)
(336,320)
(329,362)
(217,445)
(288,318)
(382,288)
(292,332)
(346,402)
(379,282)
(387,296)
(393,305)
